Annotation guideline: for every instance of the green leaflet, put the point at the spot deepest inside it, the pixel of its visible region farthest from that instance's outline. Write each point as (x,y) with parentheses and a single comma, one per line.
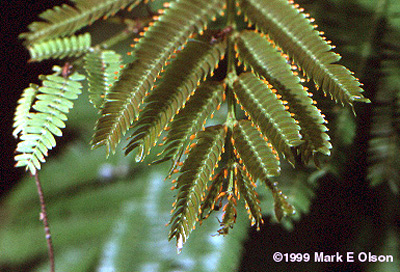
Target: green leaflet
(268,112)
(291,30)
(259,159)
(59,48)
(102,68)
(213,190)
(190,119)
(22,110)
(169,32)
(180,80)
(281,206)
(195,174)
(250,196)
(257,52)
(65,20)
(229,215)
(35,129)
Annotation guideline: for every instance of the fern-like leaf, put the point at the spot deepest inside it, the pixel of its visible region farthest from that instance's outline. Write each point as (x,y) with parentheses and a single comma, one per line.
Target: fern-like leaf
(268,112)
(65,20)
(36,128)
(258,53)
(293,31)
(191,65)
(59,48)
(102,68)
(258,157)
(191,118)
(196,172)
(169,32)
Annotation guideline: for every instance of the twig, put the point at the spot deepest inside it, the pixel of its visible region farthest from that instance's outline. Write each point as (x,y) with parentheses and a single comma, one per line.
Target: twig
(43,217)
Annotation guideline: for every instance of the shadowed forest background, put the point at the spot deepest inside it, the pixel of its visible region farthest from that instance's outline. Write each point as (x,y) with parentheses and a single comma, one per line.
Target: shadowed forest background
(111,213)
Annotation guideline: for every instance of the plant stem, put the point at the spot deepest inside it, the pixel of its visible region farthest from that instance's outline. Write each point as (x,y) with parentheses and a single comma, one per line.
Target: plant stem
(43,217)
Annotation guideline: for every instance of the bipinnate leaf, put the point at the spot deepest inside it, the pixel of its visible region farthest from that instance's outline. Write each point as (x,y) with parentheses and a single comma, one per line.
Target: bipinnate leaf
(290,28)
(195,174)
(169,32)
(193,64)
(256,52)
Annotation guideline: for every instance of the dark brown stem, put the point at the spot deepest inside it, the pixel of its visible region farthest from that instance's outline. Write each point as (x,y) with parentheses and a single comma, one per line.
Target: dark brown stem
(43,217)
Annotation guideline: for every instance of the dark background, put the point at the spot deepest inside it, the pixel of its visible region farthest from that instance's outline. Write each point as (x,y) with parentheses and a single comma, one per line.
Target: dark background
(16,74)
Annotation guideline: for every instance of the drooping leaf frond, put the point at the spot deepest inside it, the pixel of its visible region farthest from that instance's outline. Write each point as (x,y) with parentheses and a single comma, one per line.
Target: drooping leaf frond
(102,69)
(169,32)
(259,158)
(196,172)
(36,128)
(291,30)
(257,52)
(268,112)
(181,78)
(191,118)
(65,20)
(250,196)
(73,46)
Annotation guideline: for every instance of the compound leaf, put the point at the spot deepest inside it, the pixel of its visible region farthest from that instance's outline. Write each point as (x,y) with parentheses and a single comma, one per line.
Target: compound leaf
(258,53)
(35,129)
(169,32)
(181,78)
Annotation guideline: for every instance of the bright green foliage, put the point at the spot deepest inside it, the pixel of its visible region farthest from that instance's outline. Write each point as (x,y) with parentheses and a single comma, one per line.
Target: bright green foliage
(150,96)
(36,129)
(59,48)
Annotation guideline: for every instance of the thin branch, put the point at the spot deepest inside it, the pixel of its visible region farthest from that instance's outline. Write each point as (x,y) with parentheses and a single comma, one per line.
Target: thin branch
(43,217)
